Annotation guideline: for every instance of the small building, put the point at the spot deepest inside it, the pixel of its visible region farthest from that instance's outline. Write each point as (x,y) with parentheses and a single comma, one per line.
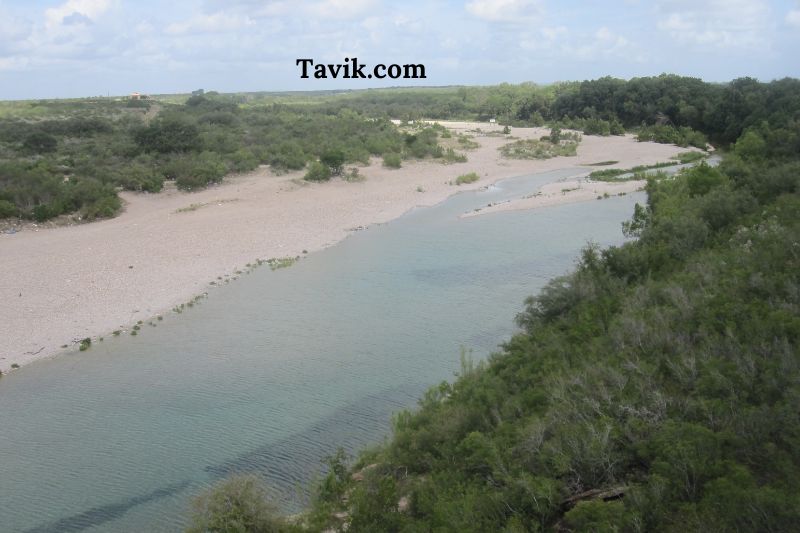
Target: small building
(138,96)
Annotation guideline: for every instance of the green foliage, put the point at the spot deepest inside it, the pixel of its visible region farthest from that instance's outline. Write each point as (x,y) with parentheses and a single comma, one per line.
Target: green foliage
(173,133)
(612,174)
(471,177)
(99,139)
(318,172)
(333,159)
(8,209)
(139,177)
(689,157)
(683,136)
(236,505)
(665,371)
(392,160)
(702,178)
(39,143)
(540,149)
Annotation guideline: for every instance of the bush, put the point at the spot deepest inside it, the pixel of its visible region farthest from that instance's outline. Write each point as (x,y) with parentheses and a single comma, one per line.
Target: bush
(472,177)
(318,172)
(139,178)
(392,160)
(238,504)
(7,209)
(244,160)
(39,143)
(170,134)
(333,159)
(206,168)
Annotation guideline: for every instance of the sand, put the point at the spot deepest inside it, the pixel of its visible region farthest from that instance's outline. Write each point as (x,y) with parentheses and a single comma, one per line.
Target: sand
(579,189)
(60,285)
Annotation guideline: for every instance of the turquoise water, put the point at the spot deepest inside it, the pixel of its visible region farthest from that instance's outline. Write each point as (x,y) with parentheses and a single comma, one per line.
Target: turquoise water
(278,369)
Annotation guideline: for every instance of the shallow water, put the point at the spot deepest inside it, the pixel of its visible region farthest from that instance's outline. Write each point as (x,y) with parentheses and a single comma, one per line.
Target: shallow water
(278,369)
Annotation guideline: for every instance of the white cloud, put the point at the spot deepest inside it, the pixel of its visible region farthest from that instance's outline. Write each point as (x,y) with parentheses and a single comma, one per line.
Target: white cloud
(214,23)
(87,9)
(719,23)
(793,18)
(340,9)
(558,42)
(506,10)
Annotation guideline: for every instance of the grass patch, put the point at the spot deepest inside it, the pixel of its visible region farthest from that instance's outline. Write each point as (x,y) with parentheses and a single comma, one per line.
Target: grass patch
(689,157)
(472,177)
(601,163)
(195,207)
(613,174)
(282,262)
(539,149)
(353,176)
(85,344)
(466,142)
(451,156)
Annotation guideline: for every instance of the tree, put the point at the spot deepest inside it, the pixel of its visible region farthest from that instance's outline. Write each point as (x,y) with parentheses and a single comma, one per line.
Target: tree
(334,160)
(40,143)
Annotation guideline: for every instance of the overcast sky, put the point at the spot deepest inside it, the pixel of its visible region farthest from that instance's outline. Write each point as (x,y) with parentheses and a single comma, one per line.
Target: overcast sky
(92,47)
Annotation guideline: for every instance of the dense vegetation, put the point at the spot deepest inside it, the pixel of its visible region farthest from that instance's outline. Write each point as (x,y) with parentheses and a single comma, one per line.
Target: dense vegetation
(70,156)
(655,388)
(57,158)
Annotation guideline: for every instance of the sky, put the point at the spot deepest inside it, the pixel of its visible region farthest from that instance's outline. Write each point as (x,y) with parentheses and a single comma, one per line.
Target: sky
(74,48)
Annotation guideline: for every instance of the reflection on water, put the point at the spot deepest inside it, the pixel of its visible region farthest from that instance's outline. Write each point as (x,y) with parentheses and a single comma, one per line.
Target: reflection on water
(276,370)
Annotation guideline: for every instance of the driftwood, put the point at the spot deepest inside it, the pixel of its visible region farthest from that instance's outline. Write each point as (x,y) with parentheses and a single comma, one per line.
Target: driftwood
(607,495)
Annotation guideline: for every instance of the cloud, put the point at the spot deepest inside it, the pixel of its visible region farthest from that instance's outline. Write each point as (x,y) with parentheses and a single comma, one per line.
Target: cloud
(219,22)
(718,23)
(793,18)
(506,10)
(340,9)
(88,9)
(76,19)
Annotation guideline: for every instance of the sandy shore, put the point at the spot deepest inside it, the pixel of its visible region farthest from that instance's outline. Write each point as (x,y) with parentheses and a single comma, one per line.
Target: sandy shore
(568,191)
(63,284)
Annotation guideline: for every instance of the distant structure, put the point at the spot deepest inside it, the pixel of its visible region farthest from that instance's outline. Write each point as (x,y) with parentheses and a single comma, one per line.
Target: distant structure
(662,119)
(198,92)
(138,96)
(492,121)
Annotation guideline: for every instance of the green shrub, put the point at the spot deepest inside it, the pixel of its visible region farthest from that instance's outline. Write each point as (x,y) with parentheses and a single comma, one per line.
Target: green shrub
(40,143)
(237,504)
(392,160)
(205,168)
(244,160)
(137,177)
(172,133)
(318,172)
(333,159)
(7,209)
(472,177)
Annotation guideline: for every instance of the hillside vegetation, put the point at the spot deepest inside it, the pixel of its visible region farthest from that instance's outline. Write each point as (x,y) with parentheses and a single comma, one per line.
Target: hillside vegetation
(655,388)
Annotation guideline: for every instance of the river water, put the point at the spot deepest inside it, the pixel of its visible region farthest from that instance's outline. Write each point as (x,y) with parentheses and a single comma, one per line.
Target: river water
(276,370)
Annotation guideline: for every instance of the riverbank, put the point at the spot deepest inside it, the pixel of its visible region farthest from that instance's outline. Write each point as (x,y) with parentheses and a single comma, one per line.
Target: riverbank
(64,284)
(567,191)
